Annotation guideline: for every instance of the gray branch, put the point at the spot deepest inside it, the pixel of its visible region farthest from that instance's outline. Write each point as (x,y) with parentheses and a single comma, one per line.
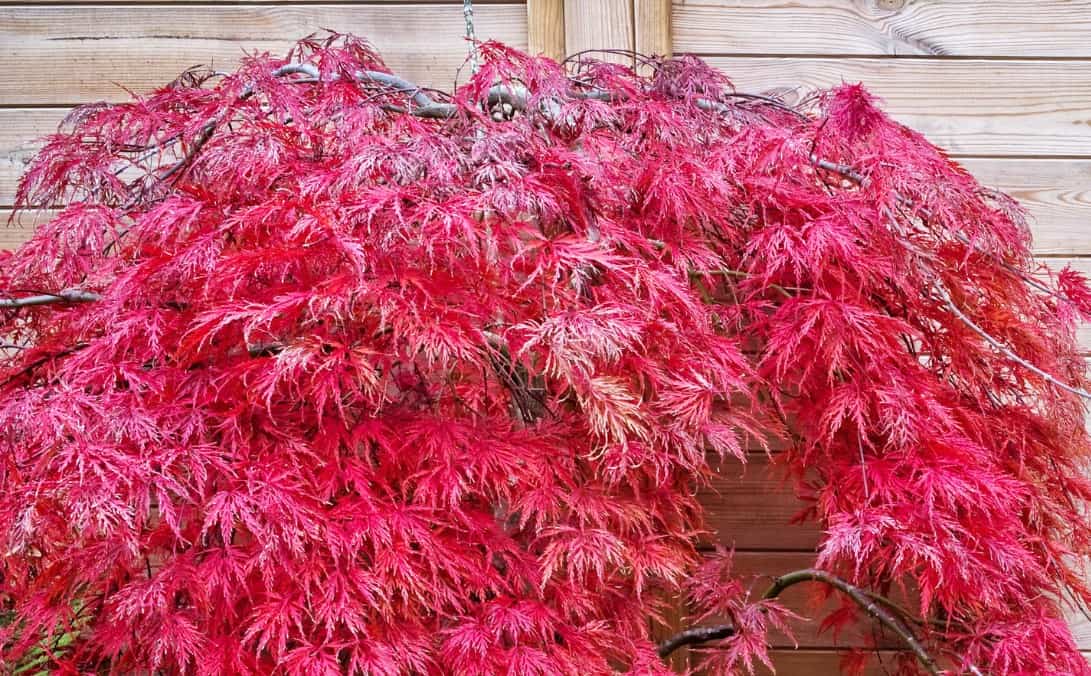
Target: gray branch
(389,80)
(68,296)
(694,636)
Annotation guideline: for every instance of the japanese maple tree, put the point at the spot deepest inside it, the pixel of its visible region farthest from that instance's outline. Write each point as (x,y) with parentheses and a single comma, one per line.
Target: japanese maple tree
(317,372)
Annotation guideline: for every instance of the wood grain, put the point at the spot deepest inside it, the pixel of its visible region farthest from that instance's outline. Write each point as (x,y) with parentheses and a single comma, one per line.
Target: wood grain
(69,54)
(1056,193)
(811,662)
(1051,28)
(599,24)
(970,107)
(20,132)
(751,507)
(545,28)
(267,2)
(652,26)
(15,229)
(1083,265)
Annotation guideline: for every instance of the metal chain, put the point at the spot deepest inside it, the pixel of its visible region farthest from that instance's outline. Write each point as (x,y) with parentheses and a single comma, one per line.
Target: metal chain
(471,36)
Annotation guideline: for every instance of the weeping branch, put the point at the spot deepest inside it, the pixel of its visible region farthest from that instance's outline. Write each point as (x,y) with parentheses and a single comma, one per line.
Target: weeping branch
(854,176)
(426,106)
(875,606)
(865,601)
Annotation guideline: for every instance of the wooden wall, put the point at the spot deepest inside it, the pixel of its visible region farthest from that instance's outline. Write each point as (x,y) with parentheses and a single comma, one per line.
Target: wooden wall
(1004,84)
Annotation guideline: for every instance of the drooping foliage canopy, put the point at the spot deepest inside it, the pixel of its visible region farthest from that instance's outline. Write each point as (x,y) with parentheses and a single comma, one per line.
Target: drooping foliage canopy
(331,374)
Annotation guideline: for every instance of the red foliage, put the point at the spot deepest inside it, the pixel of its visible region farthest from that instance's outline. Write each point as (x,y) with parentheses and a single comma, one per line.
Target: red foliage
(374,392)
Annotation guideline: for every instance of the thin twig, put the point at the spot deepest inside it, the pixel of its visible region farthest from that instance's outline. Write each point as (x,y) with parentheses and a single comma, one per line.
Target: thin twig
(726,272)
(860,179)
(863,463)
(199,142)
(1004,349)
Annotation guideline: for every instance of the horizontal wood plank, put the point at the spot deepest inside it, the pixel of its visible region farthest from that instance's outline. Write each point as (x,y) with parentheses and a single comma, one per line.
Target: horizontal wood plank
(268,2)
(812,662)
(20,133)
(69,54)
(1052,28)
(1082,265)
(17,228)
(751,507)
(970,107)
(1056,193)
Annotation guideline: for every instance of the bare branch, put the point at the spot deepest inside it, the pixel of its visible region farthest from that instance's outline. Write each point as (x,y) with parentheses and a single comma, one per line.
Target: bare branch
(866,602)
(199,142)
(694,636)
(415,92)
(68,296)
(842,169)
(874,605)
(716,106)
(515,96)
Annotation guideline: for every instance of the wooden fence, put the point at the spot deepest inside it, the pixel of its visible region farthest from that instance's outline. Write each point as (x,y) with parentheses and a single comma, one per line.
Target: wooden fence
(1005,85)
